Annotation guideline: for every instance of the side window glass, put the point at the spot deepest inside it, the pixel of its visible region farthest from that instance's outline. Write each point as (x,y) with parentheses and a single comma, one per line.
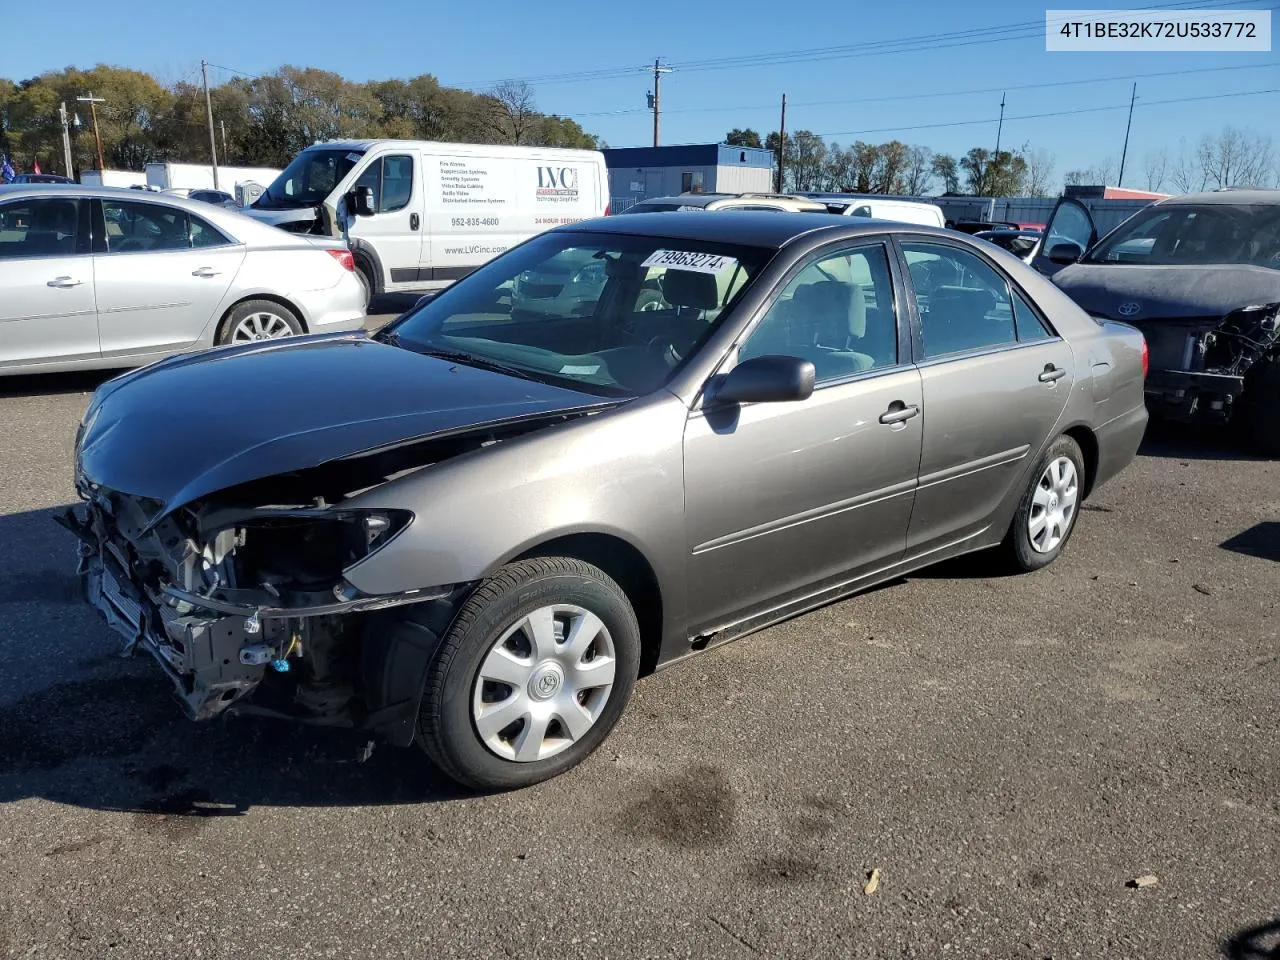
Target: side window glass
(397,183)
(39,228)
(1028,323)
(206,235)
(372,178)
(837,312)
(964,304)
(144,227)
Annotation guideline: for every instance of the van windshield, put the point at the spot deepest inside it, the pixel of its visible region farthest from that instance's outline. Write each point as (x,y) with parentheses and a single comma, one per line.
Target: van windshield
(308,179)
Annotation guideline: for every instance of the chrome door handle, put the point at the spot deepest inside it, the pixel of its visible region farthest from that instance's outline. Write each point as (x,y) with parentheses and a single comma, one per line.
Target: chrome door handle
(205,272)
(65,282)
(899,412)
(1052,373)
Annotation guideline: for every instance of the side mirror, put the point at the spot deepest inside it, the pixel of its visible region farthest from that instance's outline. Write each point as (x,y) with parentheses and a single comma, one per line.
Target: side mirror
(360,202)
(766,380)
(1065,253)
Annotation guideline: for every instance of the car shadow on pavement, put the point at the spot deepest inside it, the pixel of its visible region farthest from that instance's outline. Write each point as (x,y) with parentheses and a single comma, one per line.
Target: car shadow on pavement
(1257,943)
(1262,540)
(48,384)
(1188,441)
(82,725)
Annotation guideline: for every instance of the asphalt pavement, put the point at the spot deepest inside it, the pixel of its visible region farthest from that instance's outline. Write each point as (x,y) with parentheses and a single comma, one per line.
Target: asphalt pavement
(1009,752)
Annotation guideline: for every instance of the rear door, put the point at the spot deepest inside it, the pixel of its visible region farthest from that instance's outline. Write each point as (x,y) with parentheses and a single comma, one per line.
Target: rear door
(995,379)
(161,275)
(47,311)
(396,228)
(1071,223)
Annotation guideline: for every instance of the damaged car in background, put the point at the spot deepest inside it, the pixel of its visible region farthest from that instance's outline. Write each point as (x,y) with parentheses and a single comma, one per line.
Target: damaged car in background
(476,528)
(1199,275)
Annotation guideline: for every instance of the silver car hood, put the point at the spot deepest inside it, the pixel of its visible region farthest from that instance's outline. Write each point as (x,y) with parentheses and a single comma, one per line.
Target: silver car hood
(195,424)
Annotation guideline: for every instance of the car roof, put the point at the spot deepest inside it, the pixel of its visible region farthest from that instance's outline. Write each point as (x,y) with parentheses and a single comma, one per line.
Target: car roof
(1225,196)
(763,228)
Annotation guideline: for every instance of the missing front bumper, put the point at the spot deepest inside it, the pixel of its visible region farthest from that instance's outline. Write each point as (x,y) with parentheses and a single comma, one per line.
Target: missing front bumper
(1192,397)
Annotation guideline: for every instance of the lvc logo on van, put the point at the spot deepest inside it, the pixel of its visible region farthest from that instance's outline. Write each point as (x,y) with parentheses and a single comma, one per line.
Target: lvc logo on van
(556,183)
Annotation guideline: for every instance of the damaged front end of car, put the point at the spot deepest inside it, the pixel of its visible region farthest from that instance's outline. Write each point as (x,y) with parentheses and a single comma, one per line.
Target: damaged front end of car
(241,596)
(1199,368)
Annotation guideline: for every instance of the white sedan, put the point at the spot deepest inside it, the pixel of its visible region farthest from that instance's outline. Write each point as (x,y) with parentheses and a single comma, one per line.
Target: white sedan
(102,277)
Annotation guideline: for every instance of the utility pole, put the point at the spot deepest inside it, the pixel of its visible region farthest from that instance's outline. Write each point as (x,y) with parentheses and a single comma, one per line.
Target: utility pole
(999,130)
(782,143)
(208,106)
(93,102)
(222,125)
(1132,97)
(66,137)
(655,98)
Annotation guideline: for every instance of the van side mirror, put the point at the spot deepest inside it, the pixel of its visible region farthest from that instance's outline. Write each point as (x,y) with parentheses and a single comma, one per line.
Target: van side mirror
(1065,253)
(360,202)
(766,380)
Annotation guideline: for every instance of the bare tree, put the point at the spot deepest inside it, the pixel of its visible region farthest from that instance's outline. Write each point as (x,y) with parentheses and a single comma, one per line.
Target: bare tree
(1154,165)
(1187,175)
(1040,166)
(512,113)
(1099,175)
(1235,158)
(919,173)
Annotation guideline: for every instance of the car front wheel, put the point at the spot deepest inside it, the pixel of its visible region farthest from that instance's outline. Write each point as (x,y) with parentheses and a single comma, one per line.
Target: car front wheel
(1047,513)
(531,676)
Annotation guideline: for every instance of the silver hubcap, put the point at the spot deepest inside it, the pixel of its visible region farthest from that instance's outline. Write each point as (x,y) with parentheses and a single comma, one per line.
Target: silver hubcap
(261,326)
(543,683)
(1053,505)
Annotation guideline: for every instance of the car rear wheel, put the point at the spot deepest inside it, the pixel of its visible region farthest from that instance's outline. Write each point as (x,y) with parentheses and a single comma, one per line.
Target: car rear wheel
(531,676)
(258,320)
(1046,515)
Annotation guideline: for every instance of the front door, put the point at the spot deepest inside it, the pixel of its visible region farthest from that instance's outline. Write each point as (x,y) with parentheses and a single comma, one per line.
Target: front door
(995,379)
(47,311)
(1071,230)
(161,275)
(785,499)
(395,230)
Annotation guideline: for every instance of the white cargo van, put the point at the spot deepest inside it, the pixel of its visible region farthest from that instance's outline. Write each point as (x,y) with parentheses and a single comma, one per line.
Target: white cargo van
(882,208)
(418,215)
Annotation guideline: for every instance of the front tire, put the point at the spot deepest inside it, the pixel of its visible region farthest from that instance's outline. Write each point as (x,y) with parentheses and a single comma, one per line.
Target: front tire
(1047,513)
(532,675)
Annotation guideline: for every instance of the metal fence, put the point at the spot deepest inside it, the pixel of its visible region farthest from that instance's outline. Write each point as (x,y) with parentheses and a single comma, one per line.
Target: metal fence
(619,204)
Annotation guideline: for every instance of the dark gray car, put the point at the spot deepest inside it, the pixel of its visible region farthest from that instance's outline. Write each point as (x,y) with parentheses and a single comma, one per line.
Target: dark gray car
(1199,275)
(475,529)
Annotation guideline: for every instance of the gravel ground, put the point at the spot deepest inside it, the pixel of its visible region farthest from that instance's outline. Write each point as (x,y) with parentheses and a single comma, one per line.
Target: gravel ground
(1009,752)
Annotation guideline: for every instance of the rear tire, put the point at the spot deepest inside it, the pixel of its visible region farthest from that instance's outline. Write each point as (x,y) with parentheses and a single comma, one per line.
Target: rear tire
(1047,513)
(364,273)
(1260,405)
(256,320)
(516,692)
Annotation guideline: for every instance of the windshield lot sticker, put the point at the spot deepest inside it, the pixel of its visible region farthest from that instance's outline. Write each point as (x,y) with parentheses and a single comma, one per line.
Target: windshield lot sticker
(573,371)
(694,262)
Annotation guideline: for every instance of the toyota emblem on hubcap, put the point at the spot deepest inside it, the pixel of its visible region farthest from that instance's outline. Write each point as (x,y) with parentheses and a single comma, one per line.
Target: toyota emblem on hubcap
(1128,308)
(546,681)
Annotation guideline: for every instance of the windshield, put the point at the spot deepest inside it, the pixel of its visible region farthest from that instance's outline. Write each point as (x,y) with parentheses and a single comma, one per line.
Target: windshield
(611,315)
(1217,233)
(665,207)
(308,179)
(1019,244)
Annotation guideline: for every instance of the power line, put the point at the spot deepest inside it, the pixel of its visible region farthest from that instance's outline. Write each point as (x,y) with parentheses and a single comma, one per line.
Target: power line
(884,47)
(1055,113)
(934,94)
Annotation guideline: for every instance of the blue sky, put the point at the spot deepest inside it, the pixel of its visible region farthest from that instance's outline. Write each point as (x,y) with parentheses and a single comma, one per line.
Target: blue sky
(478,43)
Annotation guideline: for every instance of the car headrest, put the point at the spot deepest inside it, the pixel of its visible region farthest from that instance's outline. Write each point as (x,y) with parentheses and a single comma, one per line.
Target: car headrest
(684,288)
(833,309)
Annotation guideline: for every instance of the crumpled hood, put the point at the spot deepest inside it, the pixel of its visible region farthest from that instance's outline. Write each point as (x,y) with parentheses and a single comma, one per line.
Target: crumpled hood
(1166,292)
(198,423)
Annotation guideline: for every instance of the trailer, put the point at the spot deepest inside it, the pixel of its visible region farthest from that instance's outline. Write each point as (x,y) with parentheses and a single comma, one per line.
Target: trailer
(113,178)
(199,176)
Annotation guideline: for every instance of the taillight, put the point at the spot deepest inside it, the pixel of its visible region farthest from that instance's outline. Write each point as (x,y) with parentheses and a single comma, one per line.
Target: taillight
(343,257)
(1146,358)
(607,208)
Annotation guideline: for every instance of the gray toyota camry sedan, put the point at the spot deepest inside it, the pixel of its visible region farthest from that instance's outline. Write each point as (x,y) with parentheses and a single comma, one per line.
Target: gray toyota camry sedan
(476,528)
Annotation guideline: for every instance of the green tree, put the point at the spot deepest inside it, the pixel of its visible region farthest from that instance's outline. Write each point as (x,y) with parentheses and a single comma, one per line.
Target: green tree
(742,138)
(946,169)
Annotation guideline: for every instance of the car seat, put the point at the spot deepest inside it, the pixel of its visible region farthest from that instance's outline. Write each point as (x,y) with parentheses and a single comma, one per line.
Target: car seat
(53,229)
